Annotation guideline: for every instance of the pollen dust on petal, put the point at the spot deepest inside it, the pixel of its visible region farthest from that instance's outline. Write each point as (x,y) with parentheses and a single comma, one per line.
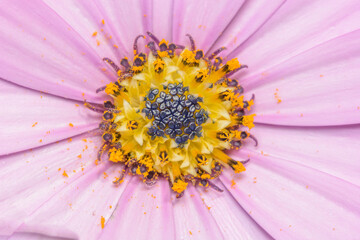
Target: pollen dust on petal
(276,94)
(102,222)
(65,174)
(233,183)
(34,124)
(71,125)
(94,34)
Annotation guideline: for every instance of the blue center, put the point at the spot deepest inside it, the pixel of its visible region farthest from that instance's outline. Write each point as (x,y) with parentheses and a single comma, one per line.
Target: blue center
(175,114)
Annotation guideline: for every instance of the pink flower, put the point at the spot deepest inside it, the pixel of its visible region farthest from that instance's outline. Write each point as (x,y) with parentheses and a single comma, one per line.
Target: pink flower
(303,178)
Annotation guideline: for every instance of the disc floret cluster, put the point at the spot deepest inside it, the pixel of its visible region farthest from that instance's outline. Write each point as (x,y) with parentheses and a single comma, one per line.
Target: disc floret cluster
(174,113)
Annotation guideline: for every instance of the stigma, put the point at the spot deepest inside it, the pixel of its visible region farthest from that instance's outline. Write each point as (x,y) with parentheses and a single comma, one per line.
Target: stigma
(174,113)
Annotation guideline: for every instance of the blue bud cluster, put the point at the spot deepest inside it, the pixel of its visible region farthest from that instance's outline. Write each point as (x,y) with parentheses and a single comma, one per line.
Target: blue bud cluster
(176,114)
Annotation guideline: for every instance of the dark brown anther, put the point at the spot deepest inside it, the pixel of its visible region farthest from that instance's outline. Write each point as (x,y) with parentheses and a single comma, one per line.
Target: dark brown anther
(108,115)
(236,143)
(216,52)
(135,43)
(199,54)
(109,104)
(156,40)
(112,64)
(152,47)
(103,126)
(192,42)
(107,137)
(125,63)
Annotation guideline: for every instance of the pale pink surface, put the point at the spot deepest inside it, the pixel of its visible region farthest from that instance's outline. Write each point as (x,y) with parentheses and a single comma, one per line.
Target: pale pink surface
(33,119)
(302,183)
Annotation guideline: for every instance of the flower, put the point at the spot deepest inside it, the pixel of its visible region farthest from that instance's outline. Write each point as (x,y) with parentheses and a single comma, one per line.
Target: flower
(302,181)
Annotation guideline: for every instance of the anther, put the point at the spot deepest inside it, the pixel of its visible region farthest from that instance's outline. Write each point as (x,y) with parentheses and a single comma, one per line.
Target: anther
(216,52)
(192,42)
(199,54)
(135,43)
(125,63)
(109,104)
(108,116)
(108,137)
(152,47)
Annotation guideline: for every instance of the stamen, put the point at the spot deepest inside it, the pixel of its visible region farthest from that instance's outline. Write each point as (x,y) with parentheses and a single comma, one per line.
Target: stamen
(192,42)
(255,140)
(236,70)
(213,186)
(216,52)
(156,40)
(112,64)
(91,107)
(135,43)
(103,148)
(125,63)
(122,175)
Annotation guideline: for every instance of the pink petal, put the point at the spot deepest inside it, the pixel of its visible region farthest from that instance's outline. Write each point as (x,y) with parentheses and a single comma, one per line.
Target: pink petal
(31,236)
(315,88)
(128,19)
(41,51)
(333,150)
(29,179)
(163,18)
(31,119)
(86,22)
(192,218)
(142,213)
(291,201)
(295,28)
(233,221)
(203,19)
(78,208)
(250,18)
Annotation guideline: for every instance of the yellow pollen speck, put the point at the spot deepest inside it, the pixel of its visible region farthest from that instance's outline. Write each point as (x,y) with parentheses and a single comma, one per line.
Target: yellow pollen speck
(71,125)
(94,34)
(179,186)
(79,156)
(248,120)
(34,124)
(103,22)
(65,174)
(102,222)
(232,65)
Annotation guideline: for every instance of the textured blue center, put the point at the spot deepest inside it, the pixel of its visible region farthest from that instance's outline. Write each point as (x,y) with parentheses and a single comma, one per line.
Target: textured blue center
(175,114)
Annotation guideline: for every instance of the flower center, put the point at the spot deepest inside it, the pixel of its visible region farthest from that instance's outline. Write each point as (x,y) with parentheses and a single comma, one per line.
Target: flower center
(174,113)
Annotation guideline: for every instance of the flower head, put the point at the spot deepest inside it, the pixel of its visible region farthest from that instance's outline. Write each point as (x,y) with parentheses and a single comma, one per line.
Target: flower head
(173,114)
